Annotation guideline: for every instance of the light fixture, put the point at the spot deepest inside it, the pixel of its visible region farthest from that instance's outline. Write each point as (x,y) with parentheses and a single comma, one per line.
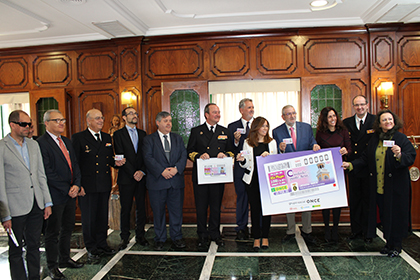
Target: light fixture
(127,98)
(319,3)
(385,89)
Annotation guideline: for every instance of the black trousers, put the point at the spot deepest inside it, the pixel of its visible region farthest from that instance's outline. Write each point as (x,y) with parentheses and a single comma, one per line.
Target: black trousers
(127,193)
(27,227)
(94,207)
(359,203)
(260,224)
(393,241)
(208,196)
(58,233)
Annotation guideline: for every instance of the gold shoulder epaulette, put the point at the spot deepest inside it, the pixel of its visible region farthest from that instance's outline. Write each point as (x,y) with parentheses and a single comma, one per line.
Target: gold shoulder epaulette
(192,155)
(230,154)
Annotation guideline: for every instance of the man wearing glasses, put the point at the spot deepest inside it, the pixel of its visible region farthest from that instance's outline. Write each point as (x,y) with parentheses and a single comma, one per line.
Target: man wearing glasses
(360,132)
(95,155)
(64,183)
(24,197)
(128,143)
(294,136)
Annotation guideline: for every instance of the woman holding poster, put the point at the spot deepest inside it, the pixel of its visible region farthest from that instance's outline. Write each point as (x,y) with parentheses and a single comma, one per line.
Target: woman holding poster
(388,156)
(331,132)
(258,143)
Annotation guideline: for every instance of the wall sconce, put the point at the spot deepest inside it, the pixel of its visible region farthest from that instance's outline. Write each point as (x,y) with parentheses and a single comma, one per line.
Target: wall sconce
(385,89)
(127,98)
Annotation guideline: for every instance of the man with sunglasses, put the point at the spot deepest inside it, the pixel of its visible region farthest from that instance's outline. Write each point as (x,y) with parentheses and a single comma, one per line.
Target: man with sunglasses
(24,196)
(64,182)
(128,143)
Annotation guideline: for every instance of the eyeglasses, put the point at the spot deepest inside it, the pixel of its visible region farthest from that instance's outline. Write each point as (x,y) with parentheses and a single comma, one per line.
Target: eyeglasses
(58,120)
(23,124)
(99,118)
(290,114)
(359,105)
(133,113)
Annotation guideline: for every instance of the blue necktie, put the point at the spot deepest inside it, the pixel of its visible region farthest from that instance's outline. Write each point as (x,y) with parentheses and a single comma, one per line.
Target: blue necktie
(134,138)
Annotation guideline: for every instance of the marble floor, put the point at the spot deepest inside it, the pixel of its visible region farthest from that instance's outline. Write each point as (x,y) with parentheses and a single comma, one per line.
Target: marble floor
(290,260)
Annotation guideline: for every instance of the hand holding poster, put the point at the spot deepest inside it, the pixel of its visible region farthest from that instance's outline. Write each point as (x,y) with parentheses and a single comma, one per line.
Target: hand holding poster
(301,181)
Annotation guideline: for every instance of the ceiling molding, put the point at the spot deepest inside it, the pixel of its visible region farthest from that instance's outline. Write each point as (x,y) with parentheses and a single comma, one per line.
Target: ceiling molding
(128,15)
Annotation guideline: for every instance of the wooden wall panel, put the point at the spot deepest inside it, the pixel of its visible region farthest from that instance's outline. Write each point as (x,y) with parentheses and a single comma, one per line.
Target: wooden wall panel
(104,100)
(383,53)
(409,53)
(153,107)
(276,57)
(97,67)
(339,55)
(52,70)
(168,62)
(13,73)
(130,64)
(229,59)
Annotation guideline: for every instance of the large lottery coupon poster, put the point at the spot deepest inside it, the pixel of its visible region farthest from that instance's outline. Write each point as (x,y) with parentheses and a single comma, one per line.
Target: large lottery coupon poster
(301,181)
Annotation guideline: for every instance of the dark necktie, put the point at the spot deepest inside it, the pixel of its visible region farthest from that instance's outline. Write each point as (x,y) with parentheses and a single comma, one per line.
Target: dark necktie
(361,125)
(247,129)
(211,129)
(167,147)
(97,137)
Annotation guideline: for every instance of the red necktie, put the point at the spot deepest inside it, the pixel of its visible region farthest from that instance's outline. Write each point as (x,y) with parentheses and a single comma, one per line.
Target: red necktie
(293,134)
(65,152)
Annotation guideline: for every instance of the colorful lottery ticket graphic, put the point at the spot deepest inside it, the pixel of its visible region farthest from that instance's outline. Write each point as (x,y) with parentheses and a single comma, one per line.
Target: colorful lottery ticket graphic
(214,170)
(300,177)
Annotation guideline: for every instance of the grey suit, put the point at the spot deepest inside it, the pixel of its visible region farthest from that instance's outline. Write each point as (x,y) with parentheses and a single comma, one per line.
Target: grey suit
(23,194)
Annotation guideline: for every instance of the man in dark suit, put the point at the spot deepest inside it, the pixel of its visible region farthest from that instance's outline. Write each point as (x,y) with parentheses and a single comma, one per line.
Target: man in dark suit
(360,132)
(239,131)
(128,142)
(301,138)
(64,183)
(95,154)
(165,157)
(24,197)
(206,141)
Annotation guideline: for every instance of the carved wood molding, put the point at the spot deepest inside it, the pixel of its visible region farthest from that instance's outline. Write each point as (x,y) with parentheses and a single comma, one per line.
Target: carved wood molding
(185,61)
(153,106)
(13,73)
(276,57)
(383,53)
(97,67)
(130,64)
(338,55)
(229,59)
(52,70)
(358,87)
(409,53)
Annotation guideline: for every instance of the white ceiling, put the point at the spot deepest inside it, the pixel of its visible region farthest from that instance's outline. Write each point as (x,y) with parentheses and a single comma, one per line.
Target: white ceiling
(39,22)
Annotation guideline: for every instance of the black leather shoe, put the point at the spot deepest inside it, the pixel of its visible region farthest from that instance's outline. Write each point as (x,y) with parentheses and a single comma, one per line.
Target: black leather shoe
(393,254)
(241,235)
(142,241)
(219,241)
(308,237)
(106,250)
(385,250)
(93,256)
(56,274)
(71,264)
(355,236)
(202,242)
(368,240)
(288,237)
(180,243)
(123,244)
(159,245)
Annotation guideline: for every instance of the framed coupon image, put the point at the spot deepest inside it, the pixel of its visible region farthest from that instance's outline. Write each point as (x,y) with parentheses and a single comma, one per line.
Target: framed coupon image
(215,170)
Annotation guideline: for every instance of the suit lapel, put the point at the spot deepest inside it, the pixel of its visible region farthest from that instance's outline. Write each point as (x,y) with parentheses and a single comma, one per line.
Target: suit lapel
(91,139)
(11,146)
(158,142)
(128,139)
(55,147)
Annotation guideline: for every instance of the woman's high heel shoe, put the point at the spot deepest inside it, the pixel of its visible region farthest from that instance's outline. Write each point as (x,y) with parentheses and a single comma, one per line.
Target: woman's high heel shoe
(257,243)
(264,243)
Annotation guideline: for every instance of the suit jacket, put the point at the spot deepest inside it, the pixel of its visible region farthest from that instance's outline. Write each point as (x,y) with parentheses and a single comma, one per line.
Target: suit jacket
(95,159)
(18,184)
(359,139)
(304,136)
(248,164)
(239,172)
(156,161)
(203,141)
(134,161)
(58,172)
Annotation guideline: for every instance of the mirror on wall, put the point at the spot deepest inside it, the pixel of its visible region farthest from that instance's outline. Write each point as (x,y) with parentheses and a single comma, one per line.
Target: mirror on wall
(8,103)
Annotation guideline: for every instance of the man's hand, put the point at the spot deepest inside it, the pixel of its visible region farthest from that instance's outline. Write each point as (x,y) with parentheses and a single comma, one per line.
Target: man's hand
(74,190)
(167,174)
(221,155)
(82,192)
(282,146)
(173,170)
(343,151)
(47,212)
(120,162)
(205,156)
(138,175)
(316,147)
(237,136)
(7,225)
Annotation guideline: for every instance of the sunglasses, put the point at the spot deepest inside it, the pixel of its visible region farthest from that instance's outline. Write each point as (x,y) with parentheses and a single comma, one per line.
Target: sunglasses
(23,124)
